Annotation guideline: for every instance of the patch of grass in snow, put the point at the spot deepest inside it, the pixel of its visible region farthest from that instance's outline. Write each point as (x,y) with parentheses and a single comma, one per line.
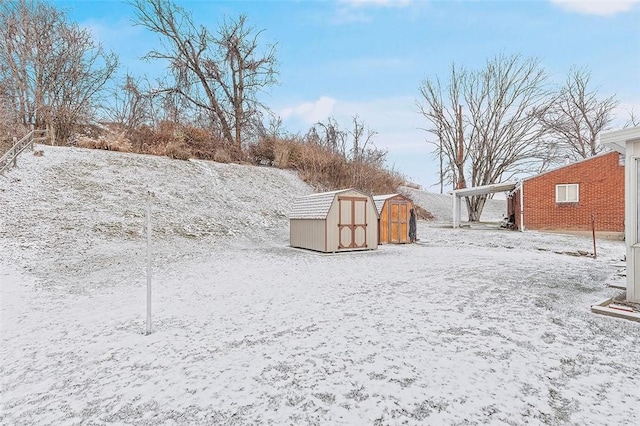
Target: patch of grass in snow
(562,407)
(326,397)
(357,394)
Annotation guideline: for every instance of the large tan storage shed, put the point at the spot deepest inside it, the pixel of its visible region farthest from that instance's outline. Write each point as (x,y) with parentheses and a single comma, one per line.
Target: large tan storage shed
(393,210)
(342,220)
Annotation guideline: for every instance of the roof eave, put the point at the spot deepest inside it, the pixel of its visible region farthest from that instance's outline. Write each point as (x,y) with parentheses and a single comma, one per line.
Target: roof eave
(617,139)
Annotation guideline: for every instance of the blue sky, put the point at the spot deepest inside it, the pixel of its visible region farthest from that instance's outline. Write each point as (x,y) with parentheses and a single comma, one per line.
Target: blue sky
(369,57)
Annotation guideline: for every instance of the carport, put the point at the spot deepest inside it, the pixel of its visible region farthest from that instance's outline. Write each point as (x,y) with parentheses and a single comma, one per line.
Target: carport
(476,190)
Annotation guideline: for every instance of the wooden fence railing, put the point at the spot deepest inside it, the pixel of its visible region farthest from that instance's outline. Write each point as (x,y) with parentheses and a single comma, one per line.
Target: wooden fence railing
(10,158)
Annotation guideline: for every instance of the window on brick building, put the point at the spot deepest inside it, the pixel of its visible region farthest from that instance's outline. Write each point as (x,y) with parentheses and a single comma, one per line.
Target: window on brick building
(567,193)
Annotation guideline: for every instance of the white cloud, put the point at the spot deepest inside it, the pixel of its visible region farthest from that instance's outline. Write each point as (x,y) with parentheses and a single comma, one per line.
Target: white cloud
(596,7)
(356,11)
(111,33)
(310,112)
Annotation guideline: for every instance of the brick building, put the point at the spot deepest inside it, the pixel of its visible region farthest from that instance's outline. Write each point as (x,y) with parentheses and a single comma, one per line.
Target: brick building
(566,199)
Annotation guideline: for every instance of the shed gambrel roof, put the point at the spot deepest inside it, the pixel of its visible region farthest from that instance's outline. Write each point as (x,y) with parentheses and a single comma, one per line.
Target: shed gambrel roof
(314,206)
(380,199)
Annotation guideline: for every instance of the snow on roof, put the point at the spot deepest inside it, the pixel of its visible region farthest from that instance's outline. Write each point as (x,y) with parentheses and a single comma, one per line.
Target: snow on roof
(379,200)
(617,139)
(314,206)
(484,189)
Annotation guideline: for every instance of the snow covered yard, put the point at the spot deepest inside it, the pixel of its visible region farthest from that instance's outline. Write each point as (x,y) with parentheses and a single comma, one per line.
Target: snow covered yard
(466,327)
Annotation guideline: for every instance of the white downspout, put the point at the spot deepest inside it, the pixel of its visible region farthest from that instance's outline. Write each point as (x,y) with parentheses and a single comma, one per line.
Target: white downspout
(522,206)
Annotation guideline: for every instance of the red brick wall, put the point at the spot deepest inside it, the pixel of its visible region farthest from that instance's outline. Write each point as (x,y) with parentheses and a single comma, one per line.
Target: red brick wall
(601,193)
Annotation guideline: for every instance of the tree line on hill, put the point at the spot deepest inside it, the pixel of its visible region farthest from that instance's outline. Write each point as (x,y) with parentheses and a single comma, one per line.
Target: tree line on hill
(486,125)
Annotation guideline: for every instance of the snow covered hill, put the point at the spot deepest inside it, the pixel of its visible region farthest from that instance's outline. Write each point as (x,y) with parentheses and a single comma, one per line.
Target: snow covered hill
(469,326)
(91,205)
(88,207)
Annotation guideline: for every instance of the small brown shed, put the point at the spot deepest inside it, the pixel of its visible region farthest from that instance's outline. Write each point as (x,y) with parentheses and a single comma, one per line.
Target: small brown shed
(393,210)
(342,220)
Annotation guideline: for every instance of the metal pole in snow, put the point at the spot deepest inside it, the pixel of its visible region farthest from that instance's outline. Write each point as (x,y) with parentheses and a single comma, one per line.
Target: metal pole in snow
(149,196)
(593,233)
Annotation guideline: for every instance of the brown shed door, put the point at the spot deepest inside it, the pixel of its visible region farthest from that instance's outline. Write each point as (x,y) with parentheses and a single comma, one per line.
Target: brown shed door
(353,222)
(399,222)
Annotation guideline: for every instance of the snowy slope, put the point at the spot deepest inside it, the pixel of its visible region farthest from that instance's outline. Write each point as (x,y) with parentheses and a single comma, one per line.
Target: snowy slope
(468,327)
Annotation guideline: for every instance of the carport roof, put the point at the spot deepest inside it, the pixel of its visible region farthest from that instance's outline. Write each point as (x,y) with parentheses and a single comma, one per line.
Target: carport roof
(485,189)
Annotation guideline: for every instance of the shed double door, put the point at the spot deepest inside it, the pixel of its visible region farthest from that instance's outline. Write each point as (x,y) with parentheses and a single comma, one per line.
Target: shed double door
(352,227)
(398,222)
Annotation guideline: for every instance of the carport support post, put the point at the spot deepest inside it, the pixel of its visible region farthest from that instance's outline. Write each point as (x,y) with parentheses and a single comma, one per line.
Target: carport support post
(149,197)
(456,210)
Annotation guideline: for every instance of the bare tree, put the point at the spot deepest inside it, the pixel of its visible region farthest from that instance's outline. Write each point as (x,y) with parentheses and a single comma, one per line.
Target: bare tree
(364,153)
(221,74)
(499,135)
(53,70)
(130,105)
(633,120)
(441,110)
(577,116)
(329,136)
(355,146)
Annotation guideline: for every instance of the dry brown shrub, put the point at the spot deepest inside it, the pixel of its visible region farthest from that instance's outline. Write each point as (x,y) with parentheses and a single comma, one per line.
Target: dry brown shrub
(222,156)
(87,142)
(285,153)
(177,151)
(107,142)
(320,167)
(144,139)
(168,129)
(262,152)
(423,214)
(195,134)
(237,155)
(374,180)
(120,143)
(5,145)
(201,142)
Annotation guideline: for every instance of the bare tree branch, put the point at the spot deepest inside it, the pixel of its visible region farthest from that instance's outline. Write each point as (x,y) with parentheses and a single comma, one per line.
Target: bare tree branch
(502,135)
(577,116)
(221,74)
(54,71)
